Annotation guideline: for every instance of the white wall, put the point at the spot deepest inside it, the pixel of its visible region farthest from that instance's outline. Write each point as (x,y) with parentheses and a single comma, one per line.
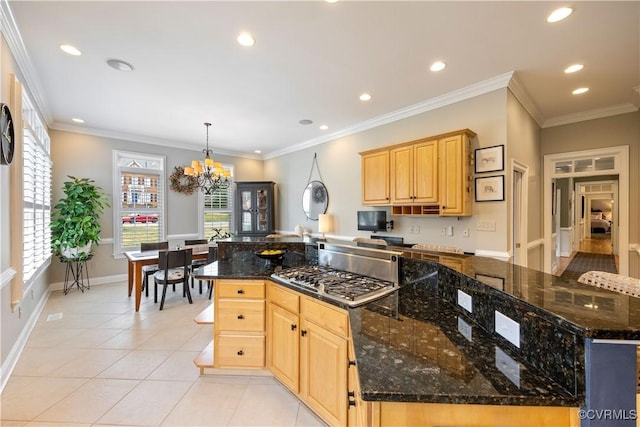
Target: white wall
(339,164)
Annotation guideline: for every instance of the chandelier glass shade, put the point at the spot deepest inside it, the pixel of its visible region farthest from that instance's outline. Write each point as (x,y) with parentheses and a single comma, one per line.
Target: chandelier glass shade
(210,175)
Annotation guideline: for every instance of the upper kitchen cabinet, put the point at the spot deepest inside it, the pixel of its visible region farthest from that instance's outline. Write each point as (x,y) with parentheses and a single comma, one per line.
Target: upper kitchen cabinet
(255,208)
(414,173)
(375,177)
(430,176)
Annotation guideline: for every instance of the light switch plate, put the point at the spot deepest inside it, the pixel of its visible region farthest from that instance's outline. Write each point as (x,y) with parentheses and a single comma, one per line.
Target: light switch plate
(465,301)
(507,328)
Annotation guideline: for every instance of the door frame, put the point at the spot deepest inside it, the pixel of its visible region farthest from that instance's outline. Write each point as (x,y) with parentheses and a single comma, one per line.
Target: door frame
(519,213)
(621,168)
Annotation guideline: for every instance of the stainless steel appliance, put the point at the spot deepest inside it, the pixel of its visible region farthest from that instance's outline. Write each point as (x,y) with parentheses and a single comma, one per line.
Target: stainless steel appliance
(348,274)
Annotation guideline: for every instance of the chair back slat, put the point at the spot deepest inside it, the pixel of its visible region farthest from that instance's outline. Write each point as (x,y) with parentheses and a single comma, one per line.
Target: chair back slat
(153,246)
(195,242)
(173,259)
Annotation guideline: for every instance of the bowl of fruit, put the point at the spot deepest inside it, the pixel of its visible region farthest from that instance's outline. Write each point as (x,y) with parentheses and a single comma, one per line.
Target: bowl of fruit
(271,255)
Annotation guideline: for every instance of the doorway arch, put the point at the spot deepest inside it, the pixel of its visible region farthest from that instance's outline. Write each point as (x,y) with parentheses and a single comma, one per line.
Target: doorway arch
(588,163)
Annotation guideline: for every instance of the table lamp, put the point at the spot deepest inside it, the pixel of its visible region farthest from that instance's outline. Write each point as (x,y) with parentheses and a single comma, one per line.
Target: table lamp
(324,224)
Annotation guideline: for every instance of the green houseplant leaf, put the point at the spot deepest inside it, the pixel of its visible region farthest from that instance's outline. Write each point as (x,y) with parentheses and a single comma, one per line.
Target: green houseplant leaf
(75,218)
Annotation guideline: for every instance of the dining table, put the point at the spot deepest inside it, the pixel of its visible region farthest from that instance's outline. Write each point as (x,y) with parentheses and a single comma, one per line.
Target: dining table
(137,259)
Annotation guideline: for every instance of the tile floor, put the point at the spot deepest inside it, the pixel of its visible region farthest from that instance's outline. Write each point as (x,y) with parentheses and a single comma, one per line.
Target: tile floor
(102,364)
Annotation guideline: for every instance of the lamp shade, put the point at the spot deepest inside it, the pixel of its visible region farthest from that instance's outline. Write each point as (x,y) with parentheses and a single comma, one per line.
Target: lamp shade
(324,223)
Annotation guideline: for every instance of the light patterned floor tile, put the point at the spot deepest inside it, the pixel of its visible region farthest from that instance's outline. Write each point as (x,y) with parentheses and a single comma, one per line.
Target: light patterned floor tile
(138,364)
(178,367)
(88,363)
(148,404)
(88,403)
(266,405)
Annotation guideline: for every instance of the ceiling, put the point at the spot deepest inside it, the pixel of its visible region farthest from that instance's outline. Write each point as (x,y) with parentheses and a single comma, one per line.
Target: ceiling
(311,60)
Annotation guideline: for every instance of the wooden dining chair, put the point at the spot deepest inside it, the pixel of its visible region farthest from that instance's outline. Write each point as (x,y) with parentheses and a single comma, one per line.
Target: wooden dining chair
(149,270)
(173,267)
(197,262)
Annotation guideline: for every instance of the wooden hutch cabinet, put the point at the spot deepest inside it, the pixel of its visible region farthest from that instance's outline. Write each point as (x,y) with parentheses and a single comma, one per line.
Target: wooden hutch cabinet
(255,210)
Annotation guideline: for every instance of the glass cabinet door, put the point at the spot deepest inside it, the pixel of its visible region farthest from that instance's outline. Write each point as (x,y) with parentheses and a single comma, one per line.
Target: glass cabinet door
(246,223)
(262,220)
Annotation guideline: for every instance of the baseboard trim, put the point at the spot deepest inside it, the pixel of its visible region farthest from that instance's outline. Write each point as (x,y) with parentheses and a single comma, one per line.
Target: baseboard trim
(12,358)
(58,286)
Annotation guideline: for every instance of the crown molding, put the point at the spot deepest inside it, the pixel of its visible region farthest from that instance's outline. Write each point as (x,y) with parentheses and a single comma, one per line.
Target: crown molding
(516,87)
(613,110)
(467,92)
(24,65)
(65,127)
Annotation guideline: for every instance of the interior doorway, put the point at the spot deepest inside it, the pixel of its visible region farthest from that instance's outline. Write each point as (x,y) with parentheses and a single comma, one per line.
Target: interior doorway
(519,235)
(596,177)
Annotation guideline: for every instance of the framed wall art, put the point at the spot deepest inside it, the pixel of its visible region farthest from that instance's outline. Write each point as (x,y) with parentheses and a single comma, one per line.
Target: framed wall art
(489,159)
(490,188)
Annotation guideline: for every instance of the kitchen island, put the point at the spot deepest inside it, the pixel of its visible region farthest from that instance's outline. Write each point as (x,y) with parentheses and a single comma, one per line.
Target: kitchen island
(419,351)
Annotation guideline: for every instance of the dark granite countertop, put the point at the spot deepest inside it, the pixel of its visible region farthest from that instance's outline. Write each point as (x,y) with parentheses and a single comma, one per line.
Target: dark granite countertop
(418,345)
(414,347)
(595,312)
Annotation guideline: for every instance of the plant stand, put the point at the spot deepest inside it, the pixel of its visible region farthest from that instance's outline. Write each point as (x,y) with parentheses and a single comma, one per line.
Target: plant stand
(76,272)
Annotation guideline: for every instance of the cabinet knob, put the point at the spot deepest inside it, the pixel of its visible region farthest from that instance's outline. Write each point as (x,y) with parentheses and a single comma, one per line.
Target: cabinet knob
(351,398)
(241,291)
(294,327)
(240,353)
(303,332)
(240,316)
(352,363)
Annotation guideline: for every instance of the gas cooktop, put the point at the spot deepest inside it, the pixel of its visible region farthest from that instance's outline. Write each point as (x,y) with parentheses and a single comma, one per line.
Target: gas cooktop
(349,287)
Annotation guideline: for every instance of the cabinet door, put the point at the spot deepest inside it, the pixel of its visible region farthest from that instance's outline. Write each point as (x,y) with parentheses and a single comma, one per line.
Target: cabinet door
(262,210)
(375,178)
(425,167)
(453,176)
(323,372)
(402,190)
(247,210)
(284,342)
(255,210)
(358,409)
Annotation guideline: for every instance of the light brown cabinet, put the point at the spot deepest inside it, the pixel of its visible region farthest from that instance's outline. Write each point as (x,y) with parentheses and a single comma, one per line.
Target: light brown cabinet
(375,178)
(414,173)
(430,176)
(307,350)
(239,324)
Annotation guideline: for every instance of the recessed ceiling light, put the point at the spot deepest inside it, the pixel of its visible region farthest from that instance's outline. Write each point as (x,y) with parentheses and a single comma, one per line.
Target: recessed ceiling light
(257,151)
(77,120)
(559,14)
(437,66)
(71,50)
(324,127)
(365,97)
(573,68)
(246,39)
(120,65)
(331,1)
(305,122)
(580,90)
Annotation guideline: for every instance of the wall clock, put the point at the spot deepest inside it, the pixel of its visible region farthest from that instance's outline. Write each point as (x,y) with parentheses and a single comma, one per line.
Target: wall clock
(8,138)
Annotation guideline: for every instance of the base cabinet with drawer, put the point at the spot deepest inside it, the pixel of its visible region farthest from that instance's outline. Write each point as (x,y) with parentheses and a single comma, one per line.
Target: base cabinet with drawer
(307,350)
(239,324)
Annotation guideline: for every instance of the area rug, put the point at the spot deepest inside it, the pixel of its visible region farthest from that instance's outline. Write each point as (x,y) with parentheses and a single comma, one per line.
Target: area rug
(584,261)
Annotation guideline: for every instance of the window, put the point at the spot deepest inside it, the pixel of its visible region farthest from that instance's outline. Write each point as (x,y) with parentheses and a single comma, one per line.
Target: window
(217,212)
(139,217)
(36,192)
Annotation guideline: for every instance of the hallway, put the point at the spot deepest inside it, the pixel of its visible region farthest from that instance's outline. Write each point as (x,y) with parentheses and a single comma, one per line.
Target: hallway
(598,244)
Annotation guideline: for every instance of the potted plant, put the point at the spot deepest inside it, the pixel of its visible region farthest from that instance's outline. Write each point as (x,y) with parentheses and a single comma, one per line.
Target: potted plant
(74,222)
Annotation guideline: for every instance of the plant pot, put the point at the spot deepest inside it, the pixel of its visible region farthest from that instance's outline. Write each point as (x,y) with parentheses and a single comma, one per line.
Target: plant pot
(72,253)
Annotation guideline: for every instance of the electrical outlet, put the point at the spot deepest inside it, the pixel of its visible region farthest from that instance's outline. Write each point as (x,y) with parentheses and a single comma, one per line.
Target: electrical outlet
(450,230)
(416,229)
(465,301)
(507,328)
(486,225)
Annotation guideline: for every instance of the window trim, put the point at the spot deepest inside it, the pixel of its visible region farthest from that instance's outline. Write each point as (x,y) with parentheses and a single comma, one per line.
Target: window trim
(118,250)
(201,207)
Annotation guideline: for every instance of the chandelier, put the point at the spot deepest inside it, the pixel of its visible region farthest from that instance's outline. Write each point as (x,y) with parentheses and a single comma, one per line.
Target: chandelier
(211,176)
